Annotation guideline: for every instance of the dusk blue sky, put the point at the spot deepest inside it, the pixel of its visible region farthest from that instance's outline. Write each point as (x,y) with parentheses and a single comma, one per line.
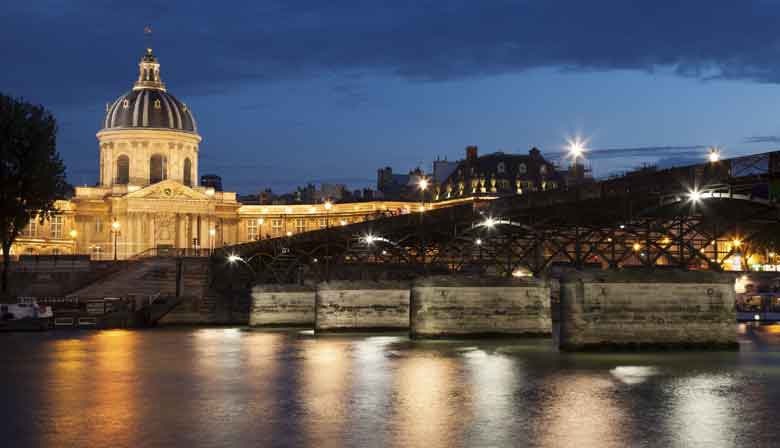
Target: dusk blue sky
(291,92)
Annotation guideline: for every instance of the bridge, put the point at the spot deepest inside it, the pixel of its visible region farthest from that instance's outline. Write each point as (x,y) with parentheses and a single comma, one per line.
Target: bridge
(695,217)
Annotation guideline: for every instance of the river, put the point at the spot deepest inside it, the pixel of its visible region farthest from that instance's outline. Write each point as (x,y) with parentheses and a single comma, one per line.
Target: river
(227,387)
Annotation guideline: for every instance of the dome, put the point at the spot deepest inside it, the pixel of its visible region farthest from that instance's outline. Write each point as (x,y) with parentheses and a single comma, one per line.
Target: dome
(149,105)
(149,108)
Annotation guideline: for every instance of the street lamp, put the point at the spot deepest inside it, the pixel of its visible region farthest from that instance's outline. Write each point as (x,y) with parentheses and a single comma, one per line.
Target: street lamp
(328,205)
(576,148)
(714,155)
(115,230)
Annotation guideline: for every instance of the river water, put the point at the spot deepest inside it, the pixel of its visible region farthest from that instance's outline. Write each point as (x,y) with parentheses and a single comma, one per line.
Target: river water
(225,387)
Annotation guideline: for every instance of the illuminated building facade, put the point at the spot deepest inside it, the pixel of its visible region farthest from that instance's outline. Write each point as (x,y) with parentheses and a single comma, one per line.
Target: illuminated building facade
(148,200)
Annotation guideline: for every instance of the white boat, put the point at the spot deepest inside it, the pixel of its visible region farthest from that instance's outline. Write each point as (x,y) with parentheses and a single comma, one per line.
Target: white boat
(25,315)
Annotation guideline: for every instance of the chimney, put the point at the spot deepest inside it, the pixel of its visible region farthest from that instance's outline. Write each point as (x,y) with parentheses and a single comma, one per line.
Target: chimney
(534,152)
(471,152)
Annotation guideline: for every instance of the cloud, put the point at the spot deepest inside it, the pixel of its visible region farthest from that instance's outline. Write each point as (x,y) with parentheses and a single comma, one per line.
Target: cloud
(89,49)
(763,139)
(637,151)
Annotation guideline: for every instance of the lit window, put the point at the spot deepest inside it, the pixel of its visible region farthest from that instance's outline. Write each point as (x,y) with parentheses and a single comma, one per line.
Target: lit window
(56,251)
(522,169)
(501,167)
(32,229)
(543,169)
(276,225)
(251,229)
(323,223)
(56,227)
(300,225)
(97,253)
(157,103)
(98,225)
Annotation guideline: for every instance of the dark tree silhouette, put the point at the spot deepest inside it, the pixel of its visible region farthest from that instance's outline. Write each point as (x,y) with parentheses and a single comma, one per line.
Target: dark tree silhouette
(32,175)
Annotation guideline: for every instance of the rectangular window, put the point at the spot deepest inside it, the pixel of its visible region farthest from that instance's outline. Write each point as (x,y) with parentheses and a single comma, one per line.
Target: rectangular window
(56,227)
(56,251)
(98,225)
(323,223)
(276,225)
(31,230)
(251,229)
(300,225)
(97,253)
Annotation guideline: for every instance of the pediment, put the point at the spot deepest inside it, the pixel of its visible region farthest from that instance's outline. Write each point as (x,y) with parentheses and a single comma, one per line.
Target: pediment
(168,189)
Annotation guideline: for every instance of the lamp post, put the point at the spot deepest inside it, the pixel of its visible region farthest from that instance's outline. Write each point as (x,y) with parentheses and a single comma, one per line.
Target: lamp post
(422,184)
(328,205)
(73,234)
(115,230)
(212,234)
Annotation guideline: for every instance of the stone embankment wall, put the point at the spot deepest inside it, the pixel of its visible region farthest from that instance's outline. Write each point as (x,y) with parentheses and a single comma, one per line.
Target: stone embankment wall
(282,305)
(647,309)
(362,305)
(468,307)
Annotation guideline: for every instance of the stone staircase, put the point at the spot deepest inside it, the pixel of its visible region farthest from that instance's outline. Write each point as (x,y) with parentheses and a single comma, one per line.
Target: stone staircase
(157,275)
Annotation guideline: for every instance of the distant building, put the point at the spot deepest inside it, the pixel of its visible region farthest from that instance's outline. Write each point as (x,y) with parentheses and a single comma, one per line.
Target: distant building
(442,169)
(499,174)
(399,186)
(211,180)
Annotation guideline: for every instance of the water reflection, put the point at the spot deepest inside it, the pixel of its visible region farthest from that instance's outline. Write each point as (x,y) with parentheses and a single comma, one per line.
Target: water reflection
(91,393)
(325,376)
(224,387)
(494,380)
(704,412)
(430,402)
(580,410)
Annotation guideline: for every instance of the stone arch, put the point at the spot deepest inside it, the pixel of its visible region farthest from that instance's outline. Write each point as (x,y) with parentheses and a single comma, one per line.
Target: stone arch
(158,168)
(122,167)
(187,175)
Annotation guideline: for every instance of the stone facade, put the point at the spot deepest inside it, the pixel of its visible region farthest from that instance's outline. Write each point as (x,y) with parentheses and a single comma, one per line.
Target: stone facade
(469,307)
(362,305)
(647,309)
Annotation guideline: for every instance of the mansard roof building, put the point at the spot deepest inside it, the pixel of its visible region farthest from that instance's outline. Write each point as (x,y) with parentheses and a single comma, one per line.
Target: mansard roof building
(499,174)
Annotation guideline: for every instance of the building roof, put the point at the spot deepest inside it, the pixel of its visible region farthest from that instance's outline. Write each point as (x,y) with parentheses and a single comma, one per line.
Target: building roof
(149,105)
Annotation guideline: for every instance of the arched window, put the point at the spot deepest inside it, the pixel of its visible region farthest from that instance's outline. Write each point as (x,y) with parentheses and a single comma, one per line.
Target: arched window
(501,168)
(187,172)
(158,169)
(522,168)
(122,170)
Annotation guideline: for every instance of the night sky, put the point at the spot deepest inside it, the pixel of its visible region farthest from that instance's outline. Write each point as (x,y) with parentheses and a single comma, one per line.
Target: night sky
(292,92)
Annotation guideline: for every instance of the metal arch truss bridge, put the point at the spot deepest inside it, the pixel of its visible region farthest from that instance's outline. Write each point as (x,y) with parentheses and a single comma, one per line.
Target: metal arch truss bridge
(699,217)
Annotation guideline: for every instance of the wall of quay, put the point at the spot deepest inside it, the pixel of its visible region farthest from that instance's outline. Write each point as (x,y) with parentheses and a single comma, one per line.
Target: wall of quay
(282,305)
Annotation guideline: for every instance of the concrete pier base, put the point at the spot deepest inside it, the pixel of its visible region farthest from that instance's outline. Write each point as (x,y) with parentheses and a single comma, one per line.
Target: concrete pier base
(473,307)
(282,306)
(345,306)
(607,310)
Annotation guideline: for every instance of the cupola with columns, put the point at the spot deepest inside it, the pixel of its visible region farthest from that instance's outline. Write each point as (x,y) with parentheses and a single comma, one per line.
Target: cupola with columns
(148,135)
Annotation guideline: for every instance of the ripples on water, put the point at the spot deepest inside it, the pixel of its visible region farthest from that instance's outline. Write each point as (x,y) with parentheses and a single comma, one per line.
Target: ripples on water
(227,387)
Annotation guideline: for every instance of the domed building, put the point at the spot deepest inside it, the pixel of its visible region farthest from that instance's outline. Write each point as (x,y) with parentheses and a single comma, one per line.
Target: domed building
(148,135)
(148,201)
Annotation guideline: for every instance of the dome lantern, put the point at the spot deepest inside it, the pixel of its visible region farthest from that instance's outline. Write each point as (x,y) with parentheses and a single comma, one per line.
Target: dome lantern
(149,73)
(149,105)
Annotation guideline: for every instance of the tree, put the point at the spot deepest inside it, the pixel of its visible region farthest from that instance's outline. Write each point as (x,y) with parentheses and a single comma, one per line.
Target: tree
(32,175)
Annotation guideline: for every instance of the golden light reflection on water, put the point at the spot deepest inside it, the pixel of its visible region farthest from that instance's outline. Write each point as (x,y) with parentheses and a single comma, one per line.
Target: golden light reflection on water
(580,411)
(431,411)
(325,379)
(92,395)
